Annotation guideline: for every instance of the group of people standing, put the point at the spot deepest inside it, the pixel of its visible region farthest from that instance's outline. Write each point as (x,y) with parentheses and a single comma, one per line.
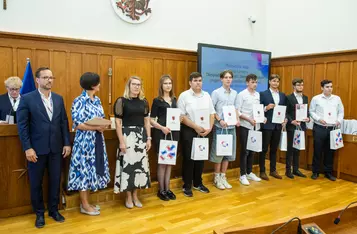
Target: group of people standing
(43,130)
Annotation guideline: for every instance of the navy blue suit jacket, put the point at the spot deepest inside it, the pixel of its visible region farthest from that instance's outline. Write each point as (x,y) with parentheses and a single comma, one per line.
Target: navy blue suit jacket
(266,98)
(5,106)
(36,130)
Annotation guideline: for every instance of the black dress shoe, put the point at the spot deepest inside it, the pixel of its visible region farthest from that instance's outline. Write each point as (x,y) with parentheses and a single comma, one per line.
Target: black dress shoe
(330,177)
(314,176)
(170,195)
(163,196)
(289,175)
(40,221)
(201,188)
(187,192)
(299,173)
(57,217)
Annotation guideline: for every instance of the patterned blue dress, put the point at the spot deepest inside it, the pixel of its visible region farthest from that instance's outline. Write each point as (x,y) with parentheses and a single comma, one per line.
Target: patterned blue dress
(82,171)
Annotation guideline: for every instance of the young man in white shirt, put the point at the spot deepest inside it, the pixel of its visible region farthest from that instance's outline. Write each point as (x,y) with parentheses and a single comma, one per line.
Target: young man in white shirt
(246,99)
(223,97)
(322,106)
(189,102)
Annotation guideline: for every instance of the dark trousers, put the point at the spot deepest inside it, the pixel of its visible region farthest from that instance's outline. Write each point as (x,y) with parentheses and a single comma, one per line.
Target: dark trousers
(322,146)
(191,169)
(272,138)
(53,163)
(246,156)
(292,154)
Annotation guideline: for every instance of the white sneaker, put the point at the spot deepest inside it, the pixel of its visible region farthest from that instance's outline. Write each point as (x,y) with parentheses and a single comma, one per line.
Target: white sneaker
(253,177)
(218,182)
(243,180)
(225,182)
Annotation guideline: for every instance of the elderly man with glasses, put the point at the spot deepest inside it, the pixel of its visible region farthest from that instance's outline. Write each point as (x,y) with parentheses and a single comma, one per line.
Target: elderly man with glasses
(10,100)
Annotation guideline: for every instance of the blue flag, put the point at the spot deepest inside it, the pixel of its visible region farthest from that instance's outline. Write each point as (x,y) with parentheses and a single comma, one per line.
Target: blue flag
(28,82)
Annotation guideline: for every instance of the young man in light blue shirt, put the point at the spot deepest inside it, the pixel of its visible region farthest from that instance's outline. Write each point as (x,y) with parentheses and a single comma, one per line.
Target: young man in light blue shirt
(223,96)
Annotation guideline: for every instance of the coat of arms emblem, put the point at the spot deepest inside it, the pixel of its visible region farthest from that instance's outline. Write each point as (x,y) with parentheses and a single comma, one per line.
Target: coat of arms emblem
(132,11)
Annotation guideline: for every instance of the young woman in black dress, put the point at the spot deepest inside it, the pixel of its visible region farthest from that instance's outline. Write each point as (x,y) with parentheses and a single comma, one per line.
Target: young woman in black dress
(166,99)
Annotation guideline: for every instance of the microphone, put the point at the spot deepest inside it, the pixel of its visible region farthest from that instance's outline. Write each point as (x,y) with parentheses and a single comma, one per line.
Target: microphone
(337,220)
(299,230)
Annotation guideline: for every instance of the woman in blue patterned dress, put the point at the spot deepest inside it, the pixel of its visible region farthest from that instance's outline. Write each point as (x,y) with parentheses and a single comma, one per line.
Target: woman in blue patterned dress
(89,168)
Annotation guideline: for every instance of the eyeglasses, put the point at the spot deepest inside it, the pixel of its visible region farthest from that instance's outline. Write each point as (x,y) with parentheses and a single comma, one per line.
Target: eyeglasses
(48,77)
(13,89)
(134,84)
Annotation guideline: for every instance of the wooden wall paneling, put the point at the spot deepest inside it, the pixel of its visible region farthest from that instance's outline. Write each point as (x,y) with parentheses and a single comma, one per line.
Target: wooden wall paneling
(105,62)
(331,74)
(59,68)
(42,59)
(308,77)
(353,106)
(319,75)
(73,87)
(158,71)
(177,70)
(22,55)
(126,67)
(19,188)
(298,71)
(285,82)
(6,66)
(191,67)
(343,86)
(90,63)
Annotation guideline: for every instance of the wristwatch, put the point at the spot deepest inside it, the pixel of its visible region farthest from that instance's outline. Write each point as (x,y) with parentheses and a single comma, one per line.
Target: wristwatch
(149,138)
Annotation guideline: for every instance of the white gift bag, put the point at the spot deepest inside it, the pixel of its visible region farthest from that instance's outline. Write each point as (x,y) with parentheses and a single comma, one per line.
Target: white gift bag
(279,114)
(224,144)
(167,151)
(173,119)
(229,115)
(202,118)
(283,144)
(254,141)
(336,140)
(258,113)
(199,150)
(330,114)
(300,112)
(299,139)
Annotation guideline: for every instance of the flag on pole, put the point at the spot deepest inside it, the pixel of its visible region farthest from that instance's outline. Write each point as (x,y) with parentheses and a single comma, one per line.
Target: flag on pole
(28,82)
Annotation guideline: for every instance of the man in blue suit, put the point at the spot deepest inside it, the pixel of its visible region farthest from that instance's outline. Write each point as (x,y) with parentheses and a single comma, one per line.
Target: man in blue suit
(271,131)
(10,100)
(43,129)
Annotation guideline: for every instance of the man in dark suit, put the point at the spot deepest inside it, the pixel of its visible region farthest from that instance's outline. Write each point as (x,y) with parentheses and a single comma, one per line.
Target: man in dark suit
(271,131)
(10,100)
(43,129)
(292,100)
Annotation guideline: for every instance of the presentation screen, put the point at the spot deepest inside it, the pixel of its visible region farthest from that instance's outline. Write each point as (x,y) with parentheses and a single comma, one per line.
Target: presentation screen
(213,59)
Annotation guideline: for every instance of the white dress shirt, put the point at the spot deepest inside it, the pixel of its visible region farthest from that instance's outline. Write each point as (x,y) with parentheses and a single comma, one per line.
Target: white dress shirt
(298,97)
(276,96)
(48,103)
(246,100)
(188,102)
(13,103)
(320,102)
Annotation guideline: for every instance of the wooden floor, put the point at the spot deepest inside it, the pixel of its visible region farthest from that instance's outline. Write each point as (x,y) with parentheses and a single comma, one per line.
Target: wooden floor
(243,205)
